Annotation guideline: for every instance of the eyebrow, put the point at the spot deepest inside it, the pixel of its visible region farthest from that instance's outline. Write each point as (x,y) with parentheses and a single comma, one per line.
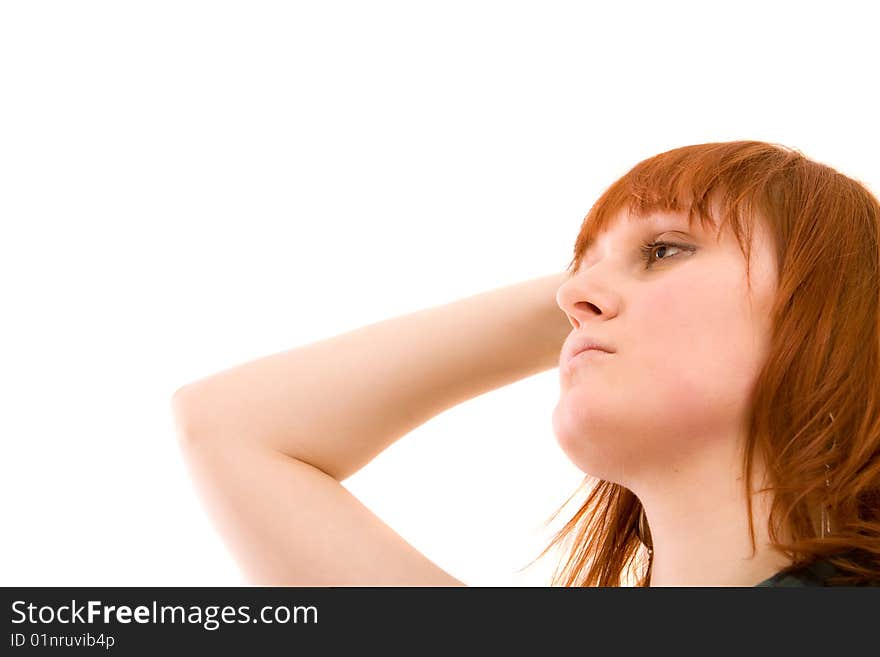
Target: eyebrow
(654,220)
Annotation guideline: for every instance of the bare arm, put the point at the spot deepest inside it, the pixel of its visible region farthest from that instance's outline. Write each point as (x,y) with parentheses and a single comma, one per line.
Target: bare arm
(269,441)
(338,403)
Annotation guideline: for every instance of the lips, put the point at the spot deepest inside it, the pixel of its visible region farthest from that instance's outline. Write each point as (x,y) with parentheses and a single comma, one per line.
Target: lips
(582,343)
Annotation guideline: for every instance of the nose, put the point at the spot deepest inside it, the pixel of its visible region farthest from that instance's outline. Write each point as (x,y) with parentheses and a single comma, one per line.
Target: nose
(582,298)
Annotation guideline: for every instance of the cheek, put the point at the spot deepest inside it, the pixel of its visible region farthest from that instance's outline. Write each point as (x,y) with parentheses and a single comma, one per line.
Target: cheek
(702,349)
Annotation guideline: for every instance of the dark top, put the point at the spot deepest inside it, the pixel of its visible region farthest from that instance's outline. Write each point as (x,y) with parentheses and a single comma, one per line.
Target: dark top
(815,574)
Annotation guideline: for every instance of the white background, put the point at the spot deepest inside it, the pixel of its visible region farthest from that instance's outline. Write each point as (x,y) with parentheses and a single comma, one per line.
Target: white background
(185,186)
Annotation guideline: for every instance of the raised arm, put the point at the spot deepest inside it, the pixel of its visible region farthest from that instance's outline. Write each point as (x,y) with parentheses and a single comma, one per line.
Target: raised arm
(291,426)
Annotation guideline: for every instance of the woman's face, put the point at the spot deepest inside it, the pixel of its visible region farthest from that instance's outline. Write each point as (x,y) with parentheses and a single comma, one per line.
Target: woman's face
(689,340)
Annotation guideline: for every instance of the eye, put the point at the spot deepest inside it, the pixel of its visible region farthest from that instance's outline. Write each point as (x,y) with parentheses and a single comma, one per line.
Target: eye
(647,250)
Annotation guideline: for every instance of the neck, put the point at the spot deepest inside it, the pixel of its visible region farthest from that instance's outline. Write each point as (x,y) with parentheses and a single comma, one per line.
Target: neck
(703,539)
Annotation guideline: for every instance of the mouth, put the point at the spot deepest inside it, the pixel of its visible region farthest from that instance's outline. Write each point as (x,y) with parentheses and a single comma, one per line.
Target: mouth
(587,346)
(589,350)
(590,354)
(579,344)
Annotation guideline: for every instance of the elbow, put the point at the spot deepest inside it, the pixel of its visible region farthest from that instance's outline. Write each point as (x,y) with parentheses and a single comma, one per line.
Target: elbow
(198,418)
(183,413)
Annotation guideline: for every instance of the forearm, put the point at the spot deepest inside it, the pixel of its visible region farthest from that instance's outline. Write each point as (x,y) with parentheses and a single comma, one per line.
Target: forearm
(339,402)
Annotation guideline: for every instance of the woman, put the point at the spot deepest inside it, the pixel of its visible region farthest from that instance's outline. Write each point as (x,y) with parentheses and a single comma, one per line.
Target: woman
(731,291)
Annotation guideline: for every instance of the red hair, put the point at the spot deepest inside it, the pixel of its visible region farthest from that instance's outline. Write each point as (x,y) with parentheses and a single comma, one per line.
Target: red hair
(824,357)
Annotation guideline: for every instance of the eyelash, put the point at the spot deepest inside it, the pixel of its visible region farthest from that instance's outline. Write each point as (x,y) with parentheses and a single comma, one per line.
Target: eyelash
(647,250)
